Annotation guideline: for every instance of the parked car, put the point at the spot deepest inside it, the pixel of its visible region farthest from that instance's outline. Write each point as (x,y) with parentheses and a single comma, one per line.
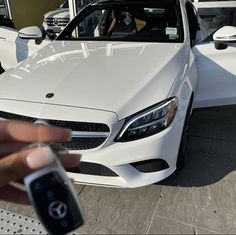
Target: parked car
(4,15)
(55,21)
(125,84)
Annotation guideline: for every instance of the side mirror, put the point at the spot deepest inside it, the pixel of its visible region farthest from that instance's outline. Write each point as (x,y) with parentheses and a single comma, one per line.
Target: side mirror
(32,32)
(224,35)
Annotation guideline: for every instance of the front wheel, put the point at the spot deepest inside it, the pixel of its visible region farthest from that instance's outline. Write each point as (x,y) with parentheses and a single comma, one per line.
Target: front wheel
(1,69)
(184,139)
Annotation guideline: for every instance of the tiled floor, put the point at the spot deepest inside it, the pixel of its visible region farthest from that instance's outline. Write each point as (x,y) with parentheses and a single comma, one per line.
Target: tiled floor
(200,199)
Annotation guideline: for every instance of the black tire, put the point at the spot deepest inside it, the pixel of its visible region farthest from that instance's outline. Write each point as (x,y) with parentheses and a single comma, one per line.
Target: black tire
(184,139)
(1,69)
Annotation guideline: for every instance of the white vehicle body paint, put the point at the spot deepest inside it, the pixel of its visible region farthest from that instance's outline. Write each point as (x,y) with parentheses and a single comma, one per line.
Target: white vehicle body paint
(110,82)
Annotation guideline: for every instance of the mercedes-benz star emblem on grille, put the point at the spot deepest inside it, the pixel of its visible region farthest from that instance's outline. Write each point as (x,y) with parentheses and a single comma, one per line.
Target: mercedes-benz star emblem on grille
(41,122)
(55,21)
(57,210)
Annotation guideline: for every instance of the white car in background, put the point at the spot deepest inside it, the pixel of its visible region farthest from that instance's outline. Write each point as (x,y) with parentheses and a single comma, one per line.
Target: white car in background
(55,21)
(126,87)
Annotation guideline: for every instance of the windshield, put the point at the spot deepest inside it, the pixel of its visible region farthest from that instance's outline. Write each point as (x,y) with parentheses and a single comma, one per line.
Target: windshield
(156,22)
(65,4)
(79,4)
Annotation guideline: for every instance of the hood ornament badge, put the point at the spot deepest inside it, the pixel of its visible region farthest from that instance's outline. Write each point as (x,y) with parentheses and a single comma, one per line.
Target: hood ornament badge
(49,95)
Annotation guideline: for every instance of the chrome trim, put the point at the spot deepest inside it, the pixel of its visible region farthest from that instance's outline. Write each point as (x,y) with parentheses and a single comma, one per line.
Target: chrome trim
(41,122)
(89,134)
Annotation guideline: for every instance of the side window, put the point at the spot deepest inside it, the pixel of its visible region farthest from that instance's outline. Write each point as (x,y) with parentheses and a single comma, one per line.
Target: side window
(212,19)
(82,3)
(193,22)
(89,27)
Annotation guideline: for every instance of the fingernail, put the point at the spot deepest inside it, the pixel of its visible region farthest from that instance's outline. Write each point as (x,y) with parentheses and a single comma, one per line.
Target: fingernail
(40,157)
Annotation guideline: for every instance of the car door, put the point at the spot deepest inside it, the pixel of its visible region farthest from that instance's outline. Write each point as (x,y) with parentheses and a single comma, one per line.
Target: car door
(14,49)
(216,68)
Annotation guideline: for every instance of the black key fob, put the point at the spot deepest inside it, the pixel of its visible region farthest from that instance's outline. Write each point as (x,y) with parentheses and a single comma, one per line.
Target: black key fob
(54,198)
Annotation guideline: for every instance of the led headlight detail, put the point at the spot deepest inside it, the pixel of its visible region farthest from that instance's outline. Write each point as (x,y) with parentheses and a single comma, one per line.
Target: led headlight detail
(149,122)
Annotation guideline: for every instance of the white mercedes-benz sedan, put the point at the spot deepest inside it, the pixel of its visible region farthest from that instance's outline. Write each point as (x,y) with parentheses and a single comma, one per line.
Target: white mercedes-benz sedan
(122,76)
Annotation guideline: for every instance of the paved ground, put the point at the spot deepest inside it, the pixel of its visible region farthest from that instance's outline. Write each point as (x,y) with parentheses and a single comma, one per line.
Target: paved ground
(201,199)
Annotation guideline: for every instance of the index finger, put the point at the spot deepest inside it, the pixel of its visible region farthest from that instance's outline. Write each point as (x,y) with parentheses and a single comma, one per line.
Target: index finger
(27,132)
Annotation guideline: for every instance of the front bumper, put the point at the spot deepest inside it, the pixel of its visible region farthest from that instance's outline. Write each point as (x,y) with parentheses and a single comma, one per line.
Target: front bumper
(115,156)
(118,157)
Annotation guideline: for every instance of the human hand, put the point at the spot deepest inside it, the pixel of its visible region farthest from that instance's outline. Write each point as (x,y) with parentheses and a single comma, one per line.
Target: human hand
(16,163)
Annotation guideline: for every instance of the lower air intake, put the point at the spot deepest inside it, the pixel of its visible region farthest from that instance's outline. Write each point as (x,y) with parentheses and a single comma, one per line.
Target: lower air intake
(93,169)
(150,166)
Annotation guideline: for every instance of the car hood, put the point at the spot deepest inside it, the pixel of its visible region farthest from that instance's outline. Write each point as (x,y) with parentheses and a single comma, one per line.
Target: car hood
(119,77)
(58,13)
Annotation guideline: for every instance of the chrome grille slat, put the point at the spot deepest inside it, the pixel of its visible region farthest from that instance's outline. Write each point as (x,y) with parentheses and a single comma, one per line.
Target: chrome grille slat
(57,21)
(81,126)
(88,134)
(84,143)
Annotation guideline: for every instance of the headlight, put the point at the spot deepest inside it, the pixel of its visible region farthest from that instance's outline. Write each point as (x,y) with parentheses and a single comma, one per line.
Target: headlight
(149,122)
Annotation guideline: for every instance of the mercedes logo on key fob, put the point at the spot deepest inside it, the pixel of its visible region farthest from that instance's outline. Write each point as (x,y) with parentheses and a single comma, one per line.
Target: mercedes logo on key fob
(57,210)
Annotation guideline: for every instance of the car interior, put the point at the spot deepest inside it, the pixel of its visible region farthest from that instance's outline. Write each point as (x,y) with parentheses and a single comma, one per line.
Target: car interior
(141,24)
(129,23)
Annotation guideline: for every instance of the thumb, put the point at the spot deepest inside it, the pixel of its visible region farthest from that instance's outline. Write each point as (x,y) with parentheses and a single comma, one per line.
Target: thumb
(18,165)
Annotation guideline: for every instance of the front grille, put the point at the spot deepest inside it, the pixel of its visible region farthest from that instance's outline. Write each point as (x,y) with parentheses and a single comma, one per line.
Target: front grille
(12,116)
(49,21)
(93,169)
(57,21)
(77,143)
(81,126)
(84,143)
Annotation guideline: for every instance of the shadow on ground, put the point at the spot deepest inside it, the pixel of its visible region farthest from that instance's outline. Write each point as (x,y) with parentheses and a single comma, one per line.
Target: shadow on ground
(212,148)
